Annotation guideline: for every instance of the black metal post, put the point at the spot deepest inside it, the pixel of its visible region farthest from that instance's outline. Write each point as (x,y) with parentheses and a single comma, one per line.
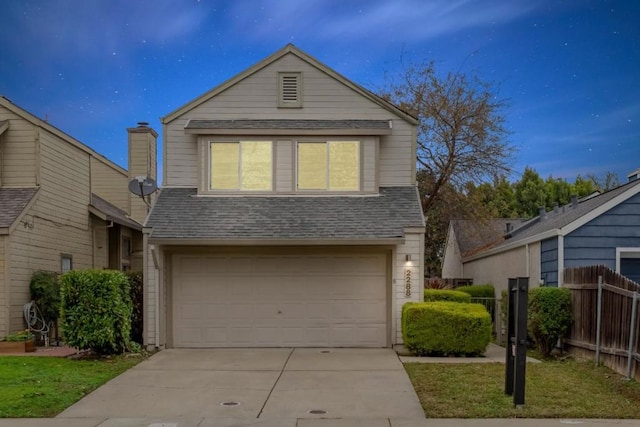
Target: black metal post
(521,340)
(511,316)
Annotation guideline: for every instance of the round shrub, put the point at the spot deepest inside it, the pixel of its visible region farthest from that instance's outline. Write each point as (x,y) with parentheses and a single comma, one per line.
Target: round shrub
(96,310)
(549,316)
(446,295)
(444,328)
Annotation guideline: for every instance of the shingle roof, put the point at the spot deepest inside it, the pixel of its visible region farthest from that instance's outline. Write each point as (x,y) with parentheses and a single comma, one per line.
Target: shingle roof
(567,214)
(287,124)
(113,213)
(12,202)
(474,236)
(180,214)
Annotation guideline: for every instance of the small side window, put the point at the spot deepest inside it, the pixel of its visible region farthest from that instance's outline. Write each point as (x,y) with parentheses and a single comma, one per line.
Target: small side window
(66,263)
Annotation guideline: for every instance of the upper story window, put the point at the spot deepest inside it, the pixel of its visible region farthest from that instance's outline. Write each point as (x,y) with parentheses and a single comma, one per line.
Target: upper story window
(290,90)
(331,165)
(243,165)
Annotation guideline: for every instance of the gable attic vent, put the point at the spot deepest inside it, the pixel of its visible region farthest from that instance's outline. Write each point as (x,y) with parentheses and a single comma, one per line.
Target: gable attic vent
(290,90)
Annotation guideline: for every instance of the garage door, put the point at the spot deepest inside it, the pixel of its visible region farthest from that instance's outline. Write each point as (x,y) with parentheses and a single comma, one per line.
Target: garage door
(279,301)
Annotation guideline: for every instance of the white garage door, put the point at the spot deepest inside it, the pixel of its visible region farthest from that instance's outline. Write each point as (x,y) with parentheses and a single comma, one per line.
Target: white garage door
(279,301)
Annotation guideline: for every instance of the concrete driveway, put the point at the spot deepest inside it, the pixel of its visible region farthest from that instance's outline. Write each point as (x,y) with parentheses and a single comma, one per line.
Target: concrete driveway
(257,384)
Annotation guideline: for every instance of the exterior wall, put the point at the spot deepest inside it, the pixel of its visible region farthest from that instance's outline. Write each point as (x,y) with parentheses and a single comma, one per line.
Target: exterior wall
(109,183)
(4,282)
(497,269)
(157,287)
(596,242)
(58,223)
(255,98)
(452,263)
(18,152)
(549,261)
(403,291)
(100,243)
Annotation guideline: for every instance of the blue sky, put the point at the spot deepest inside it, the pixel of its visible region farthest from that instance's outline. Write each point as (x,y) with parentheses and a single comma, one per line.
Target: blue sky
(570,68)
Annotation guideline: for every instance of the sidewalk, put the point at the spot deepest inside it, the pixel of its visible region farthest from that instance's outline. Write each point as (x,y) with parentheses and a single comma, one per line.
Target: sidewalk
(307,422)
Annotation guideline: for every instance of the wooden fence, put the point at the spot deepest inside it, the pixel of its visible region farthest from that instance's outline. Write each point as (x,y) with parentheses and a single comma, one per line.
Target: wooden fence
(605,318)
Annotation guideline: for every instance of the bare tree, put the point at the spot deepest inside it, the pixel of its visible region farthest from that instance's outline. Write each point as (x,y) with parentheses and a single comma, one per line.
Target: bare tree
(461,129)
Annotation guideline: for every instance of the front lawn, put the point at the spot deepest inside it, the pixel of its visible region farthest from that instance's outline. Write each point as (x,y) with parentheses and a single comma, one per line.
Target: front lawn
(45,386)
(554,389)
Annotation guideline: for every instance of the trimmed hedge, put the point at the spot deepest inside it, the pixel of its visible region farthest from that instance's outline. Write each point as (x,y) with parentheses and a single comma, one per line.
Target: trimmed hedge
(478,291)
(549,316)
(96,310)
(445,328)
(431,295)
(137,319)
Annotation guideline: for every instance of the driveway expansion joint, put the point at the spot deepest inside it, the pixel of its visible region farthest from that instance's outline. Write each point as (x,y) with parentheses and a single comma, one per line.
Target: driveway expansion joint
(284,366)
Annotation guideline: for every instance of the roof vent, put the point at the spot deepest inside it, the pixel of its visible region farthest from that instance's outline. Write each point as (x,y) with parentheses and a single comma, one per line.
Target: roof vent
(574,201)
(634,175)
(556,208)
(543,213)
(290,90)
(143,124)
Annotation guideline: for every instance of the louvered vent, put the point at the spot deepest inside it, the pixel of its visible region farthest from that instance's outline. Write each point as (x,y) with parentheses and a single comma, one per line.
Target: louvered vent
(290,85)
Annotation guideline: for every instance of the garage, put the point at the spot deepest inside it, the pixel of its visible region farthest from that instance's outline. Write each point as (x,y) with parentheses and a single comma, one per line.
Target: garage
(280,299)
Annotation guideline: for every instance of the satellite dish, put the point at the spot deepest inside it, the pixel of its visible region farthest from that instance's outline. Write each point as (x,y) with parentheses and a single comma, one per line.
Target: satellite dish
(142,186)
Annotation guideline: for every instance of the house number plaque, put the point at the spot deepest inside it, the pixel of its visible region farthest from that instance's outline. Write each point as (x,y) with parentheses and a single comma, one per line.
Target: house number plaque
(407,282)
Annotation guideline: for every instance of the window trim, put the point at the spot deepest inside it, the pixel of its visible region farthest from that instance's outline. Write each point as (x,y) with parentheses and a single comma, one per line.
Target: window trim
(328,190)
(64,257)
(209,189)
(633,252)
(299,89)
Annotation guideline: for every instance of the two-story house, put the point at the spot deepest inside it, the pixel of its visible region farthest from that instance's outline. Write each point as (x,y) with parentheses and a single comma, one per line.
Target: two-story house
(63,206)
(289,214)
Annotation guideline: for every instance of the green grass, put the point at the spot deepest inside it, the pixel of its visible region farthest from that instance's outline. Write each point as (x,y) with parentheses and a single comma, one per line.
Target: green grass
(45,386)
(554,389)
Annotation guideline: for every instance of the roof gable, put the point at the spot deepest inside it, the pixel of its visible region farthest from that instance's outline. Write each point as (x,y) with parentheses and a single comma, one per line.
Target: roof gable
(288,49)
(566,219)
(24,114)
(14,203)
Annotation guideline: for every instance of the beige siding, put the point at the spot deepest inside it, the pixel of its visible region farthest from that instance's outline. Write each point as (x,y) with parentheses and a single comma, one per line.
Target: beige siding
(4,297)
(151,285)
(497,269)
(100,243)
(109,183)
(413,246)
(255,98)
(18,151)
(57,223)
(284,166)
(142,152)
(369,165)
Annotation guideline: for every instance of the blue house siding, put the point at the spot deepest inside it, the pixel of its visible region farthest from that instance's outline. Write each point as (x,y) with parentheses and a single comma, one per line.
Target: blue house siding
(549,261)
(596,241)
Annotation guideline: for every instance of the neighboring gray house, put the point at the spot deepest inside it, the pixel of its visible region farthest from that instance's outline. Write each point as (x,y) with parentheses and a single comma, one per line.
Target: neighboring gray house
(63,206)
(602,229)
(289,214)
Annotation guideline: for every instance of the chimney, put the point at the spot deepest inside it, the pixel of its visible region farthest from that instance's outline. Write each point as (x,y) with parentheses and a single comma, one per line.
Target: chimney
(574,201)
(142,162)
(634,175)
(509,227)
(556,208)
(543,213)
